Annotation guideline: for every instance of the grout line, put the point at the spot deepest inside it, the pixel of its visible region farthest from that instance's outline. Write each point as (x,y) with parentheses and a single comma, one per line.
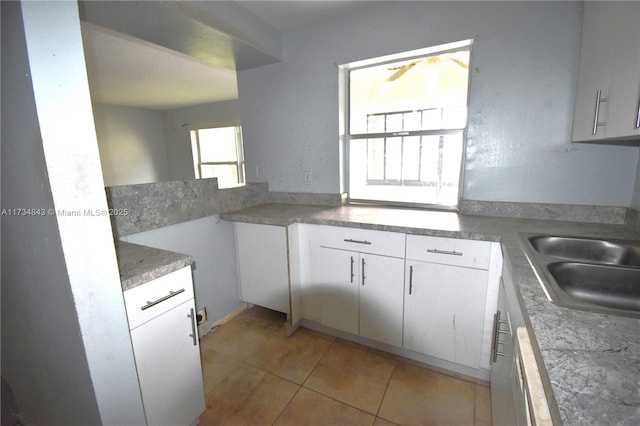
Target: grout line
(395,364)
(338,401)
(317,364)
(287,404)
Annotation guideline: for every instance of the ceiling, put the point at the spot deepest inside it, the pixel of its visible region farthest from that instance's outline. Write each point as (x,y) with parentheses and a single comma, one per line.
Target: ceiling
(123,70)
(128,71)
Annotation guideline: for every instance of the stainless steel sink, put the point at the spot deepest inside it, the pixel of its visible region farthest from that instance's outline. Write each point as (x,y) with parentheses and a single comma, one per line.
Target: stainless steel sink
(609,286)
(613,252)
(599,275)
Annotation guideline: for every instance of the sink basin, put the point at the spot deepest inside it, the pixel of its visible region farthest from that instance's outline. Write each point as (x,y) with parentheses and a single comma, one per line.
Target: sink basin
(612,252)
(597,275)
(609,286)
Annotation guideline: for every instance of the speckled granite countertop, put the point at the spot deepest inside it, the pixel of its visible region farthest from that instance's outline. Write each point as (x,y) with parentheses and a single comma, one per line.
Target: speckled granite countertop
(591,360)
(140,264)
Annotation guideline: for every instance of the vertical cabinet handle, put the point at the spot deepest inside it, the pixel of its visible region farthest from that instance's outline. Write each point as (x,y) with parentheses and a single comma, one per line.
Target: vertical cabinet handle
(495,341)
(363,276)
(352,269)
(193,334)
(410,279)
(638,115)
(596,115)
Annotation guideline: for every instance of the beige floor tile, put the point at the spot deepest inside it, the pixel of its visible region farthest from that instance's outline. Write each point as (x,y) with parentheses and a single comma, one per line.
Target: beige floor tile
(292,358)
(382,422)
(260,317)
(248,396)
(311,408)
(216,367)
(483,406)
(347,383)
(352,375)
(245,334)
(418,396)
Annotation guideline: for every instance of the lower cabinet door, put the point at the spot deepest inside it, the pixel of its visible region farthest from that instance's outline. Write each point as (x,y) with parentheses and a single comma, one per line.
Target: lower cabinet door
(262,265)
(381,298)
(169,369)
(444,311)
(502,400)
(335,275)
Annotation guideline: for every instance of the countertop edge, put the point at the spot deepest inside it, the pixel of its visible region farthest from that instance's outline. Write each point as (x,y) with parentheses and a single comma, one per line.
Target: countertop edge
(140,264)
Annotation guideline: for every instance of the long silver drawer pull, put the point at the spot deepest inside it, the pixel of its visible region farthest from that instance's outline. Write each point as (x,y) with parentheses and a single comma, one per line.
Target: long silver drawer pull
(162,299)
(449,252)
(349,240)
(638,116)
(596,115)
(193,334)
(363,276)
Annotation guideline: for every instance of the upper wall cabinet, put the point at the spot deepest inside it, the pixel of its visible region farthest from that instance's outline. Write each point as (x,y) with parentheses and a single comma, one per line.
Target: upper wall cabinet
(607,105)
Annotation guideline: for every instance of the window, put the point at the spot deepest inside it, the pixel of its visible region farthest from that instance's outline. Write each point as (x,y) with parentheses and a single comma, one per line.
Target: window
(406,118)
(218,153)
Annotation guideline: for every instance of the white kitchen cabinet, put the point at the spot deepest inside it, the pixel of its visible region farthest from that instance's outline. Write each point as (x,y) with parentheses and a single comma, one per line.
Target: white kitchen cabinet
(263,265)
(332,297)
(381,298)
(502,400)
(166,348)
(444,311)
(508,407)
(449,285)
(352,289)
(607,103)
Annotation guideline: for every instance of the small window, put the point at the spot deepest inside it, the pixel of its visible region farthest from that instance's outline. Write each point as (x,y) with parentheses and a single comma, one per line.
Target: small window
(406,118)
(218,152)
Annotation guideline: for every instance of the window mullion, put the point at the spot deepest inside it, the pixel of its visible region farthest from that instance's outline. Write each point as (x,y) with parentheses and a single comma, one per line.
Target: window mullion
(199,154)
(433,132)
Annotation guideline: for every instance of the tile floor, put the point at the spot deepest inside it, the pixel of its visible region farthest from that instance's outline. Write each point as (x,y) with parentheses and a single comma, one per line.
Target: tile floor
(254,375)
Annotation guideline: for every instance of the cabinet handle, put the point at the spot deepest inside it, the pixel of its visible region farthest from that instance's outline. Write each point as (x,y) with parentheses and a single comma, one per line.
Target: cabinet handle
(449,252)
(363,276)
(638,116)
(495,340)
(193,334)
(596,115)
(410,279)
(352,269)
(162,299)
(349,240)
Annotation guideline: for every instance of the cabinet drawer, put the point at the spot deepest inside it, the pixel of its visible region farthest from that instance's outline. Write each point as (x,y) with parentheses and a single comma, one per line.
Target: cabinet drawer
(449,251)
(360,240)
(151,299)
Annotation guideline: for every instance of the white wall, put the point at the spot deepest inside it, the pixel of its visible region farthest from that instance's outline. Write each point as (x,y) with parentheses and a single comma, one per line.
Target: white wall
(66,350)
(211,242)
(523,79)
(177,124)
(636,195)
(132,145)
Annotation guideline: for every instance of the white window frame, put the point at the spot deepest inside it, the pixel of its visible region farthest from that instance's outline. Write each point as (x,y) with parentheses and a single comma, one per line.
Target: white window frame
(198,163)
(346,136)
